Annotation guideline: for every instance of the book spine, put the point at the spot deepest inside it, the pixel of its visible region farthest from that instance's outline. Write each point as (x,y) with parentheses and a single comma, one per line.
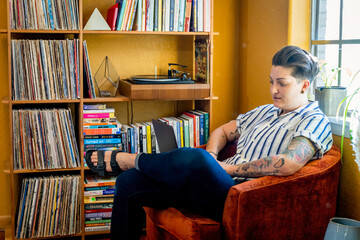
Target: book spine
(107,110)
(182,15)
(156,14)
(93,126)
(99,188)
(102,141)
(99,192)
(99,184)
(100,146)
(98,215)
(97,228)
(99,221)
(94,107)
(207,9)
(171,24)
(98,210)
(102,131)
(102,136)
(176,15)
(187,15)
(98,206)
(98,115)
(160,11)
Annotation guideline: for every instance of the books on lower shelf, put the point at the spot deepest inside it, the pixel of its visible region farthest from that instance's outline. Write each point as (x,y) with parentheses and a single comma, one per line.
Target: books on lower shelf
(45,69)
(44,139)
(160,15)
(191,130)
(101,129)
(49,206)
(44,14)
(98,199)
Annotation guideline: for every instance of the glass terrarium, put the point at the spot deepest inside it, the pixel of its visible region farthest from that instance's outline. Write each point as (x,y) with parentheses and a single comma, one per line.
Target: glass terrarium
(106,79)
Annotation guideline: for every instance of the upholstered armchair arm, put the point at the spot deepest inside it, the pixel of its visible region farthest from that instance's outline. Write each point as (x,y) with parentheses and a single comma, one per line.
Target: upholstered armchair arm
(279,207)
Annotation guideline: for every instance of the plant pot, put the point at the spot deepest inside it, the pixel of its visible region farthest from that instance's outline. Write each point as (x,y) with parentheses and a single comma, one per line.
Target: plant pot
(330,98)
(342,229)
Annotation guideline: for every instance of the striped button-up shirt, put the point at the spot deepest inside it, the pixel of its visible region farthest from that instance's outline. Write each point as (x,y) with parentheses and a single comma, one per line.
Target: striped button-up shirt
(264,132)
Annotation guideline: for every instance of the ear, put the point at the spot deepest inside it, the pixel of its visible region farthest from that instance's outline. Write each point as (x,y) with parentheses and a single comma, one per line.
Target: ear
(306,84)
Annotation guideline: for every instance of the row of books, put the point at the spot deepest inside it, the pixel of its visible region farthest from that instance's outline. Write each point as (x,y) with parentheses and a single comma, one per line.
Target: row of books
(44,139)
(44,14)
(98,199)
(191,130)
(45,69)
(160,15)
(49,206)
(103,132)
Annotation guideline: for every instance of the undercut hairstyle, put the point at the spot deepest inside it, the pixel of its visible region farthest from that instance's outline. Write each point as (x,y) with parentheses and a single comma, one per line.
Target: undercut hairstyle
(304,65)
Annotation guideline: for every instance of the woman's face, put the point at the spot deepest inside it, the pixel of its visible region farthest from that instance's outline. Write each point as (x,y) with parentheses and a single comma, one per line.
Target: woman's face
(285,89)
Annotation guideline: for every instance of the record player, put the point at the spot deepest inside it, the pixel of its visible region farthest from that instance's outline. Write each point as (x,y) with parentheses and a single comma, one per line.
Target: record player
(174,77)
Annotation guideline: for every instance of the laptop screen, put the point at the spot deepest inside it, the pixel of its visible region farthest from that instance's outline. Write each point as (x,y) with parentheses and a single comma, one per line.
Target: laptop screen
(165,136)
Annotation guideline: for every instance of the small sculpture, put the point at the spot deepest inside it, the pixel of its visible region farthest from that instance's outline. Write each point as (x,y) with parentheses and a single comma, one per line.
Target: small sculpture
(106,79)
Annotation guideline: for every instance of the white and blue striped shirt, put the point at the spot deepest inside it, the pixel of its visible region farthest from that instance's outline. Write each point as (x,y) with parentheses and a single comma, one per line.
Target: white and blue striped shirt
(264,132)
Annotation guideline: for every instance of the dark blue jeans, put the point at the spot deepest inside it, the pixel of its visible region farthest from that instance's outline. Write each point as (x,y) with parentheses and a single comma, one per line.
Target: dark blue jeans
(188,178)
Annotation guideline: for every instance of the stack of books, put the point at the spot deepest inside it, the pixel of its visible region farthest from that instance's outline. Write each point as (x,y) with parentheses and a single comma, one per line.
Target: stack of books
(160,15)
(101,129)
(191,130)
(98,199)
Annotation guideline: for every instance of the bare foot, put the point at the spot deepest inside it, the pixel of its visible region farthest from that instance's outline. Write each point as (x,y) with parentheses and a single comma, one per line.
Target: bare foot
(124,160)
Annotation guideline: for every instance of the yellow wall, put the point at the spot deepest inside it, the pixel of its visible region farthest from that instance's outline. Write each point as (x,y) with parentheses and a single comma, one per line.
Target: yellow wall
(226,61)
(263,29)
(349,186)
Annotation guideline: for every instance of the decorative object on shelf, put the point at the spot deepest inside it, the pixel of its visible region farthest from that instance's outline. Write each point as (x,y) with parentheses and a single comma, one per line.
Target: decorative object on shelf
(329,96)
(342,228)
(106,79)
(96,22)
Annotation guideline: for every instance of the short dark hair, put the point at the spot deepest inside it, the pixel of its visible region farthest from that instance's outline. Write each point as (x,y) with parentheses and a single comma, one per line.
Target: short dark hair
(304,65)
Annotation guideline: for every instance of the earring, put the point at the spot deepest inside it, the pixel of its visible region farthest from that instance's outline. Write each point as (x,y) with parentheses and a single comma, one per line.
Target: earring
(302,91)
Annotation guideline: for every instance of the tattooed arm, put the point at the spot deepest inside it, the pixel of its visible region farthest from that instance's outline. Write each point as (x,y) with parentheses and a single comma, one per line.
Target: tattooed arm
(220,136)
(297,154)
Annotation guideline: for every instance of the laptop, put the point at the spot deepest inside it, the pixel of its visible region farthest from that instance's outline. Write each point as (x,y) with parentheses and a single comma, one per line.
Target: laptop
(165,136)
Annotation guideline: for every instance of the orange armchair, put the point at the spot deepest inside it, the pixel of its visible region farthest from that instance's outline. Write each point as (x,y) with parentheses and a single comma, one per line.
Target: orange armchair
(293,207)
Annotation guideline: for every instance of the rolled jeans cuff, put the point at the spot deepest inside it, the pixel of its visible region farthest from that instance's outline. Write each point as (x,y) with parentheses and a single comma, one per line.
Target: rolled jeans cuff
(137,161)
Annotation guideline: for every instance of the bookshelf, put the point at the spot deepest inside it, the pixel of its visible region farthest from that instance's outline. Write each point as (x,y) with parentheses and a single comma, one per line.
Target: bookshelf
(135,103)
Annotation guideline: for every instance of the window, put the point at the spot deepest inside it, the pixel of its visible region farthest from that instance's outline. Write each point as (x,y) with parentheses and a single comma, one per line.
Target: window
(335,37)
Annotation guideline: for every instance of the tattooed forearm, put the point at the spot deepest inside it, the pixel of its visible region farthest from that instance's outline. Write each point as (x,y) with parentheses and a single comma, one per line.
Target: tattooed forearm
(297,154)
(260,167)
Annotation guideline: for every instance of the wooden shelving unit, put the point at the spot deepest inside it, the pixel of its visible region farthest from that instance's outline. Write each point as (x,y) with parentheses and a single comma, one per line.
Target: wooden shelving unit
(143,49)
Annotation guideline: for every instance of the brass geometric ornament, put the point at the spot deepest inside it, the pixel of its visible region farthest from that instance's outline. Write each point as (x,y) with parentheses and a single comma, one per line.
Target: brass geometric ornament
(106,79)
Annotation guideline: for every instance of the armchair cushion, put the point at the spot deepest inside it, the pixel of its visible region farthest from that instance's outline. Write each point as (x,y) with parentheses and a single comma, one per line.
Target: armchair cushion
(171,223)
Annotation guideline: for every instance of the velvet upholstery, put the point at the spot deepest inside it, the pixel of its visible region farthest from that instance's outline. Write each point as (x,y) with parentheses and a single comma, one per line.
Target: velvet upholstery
(293,207)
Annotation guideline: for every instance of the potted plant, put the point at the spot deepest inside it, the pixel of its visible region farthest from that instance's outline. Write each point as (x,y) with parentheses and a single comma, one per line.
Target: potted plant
(329,96)
(354,129)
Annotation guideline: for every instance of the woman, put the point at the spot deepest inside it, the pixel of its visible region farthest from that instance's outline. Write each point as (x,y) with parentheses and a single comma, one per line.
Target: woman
(275,139)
